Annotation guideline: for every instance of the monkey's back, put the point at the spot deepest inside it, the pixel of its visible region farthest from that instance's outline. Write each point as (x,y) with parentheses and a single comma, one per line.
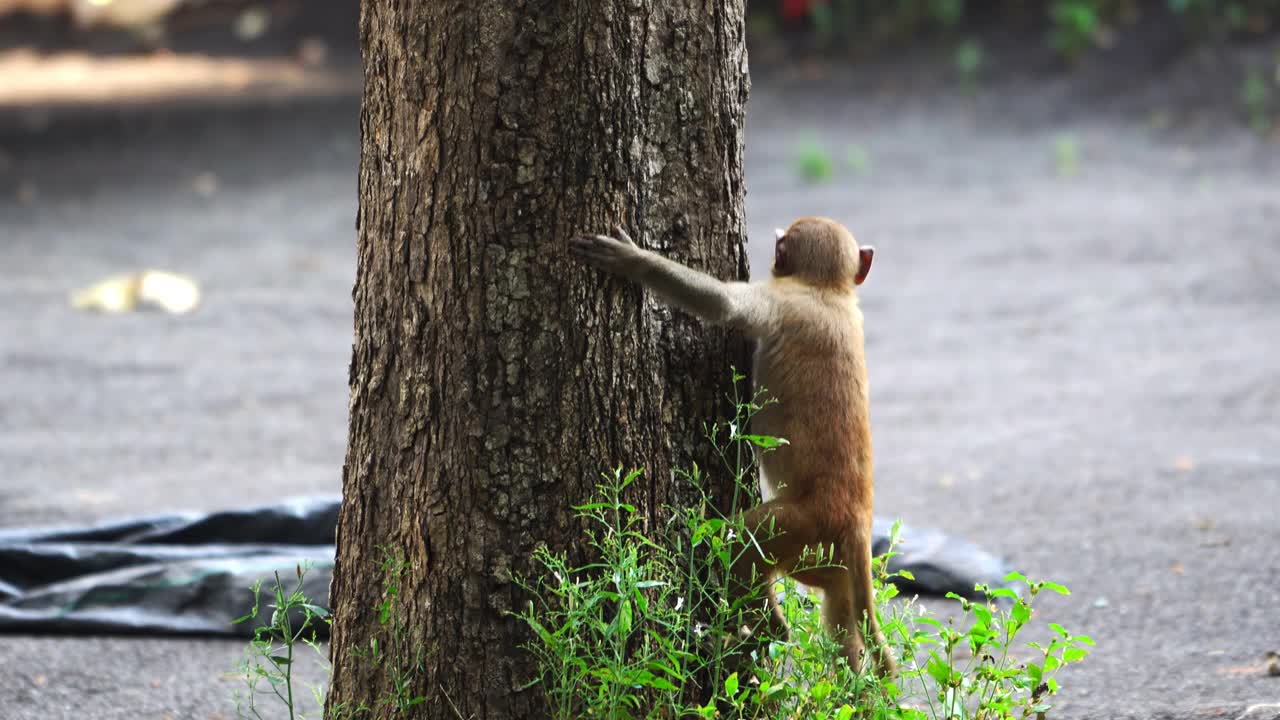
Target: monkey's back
(813,365)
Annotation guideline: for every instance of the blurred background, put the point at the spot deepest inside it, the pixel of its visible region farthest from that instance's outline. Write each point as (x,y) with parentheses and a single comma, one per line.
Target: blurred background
(1072,322)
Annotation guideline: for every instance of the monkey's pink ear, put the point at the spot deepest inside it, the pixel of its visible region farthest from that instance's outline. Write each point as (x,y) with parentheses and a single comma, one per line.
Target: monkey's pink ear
(865,254)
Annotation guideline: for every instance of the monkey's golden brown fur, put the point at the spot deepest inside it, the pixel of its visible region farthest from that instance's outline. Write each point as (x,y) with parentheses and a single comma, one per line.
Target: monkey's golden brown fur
(810,359)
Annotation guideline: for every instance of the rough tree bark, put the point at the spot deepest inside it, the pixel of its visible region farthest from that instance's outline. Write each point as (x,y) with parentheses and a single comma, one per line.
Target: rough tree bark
(491,379)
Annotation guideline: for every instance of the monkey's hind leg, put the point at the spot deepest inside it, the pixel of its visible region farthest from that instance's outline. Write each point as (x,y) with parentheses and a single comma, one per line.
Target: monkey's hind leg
(855,616)
(838,615)
(780,536)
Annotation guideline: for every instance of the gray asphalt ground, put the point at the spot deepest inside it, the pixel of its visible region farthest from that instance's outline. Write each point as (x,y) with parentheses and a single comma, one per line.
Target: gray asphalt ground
(1075,369)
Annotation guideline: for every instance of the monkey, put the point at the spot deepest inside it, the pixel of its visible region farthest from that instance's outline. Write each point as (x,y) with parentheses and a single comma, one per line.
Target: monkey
(809,359)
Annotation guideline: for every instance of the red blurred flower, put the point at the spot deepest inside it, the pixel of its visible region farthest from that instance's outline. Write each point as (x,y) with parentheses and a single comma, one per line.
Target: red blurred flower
(794,9)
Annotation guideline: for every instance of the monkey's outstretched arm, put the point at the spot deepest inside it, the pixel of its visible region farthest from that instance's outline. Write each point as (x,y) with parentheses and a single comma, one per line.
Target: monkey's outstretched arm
(742,305)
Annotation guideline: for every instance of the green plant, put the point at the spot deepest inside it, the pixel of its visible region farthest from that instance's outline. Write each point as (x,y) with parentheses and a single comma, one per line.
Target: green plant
(645,630)
(813,162)
(271,655)
(968,61)
(1255,95)
(1066,155)
(268,667)
(999,678)
(1074,26)
(394,650)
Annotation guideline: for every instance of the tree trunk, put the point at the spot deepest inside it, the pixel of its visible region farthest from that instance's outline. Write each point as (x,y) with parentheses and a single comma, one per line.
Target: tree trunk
(492,379)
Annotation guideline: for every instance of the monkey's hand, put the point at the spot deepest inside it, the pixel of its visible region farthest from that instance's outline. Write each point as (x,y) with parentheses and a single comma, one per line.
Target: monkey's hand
(618,255)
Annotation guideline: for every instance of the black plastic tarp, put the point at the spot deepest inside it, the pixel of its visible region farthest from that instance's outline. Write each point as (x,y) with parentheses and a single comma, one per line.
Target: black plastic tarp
(191,573)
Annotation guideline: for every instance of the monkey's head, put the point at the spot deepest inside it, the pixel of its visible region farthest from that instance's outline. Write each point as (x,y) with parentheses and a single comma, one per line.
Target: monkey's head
(821,251)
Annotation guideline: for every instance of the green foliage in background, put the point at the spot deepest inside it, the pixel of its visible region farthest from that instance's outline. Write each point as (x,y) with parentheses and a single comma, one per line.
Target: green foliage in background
(968,59)
(1066,155)
(1070,28)
(1073,27)
(815,163)
(1256,96)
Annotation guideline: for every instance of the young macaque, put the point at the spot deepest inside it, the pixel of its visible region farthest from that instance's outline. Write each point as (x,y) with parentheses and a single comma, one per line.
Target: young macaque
(809,358)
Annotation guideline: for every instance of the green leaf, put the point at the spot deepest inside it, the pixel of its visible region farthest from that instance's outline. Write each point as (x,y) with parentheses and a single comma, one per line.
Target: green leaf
(821,690)
(623,623)
(1074,654)
(938,669)
(1020,612)
(662,683)
(931,622)
(706,529)
(905,574)
(539,629)
(630,478)
(767,690)
(320,612)
(764,441)
(982,613)
(731,685)
(655,665)
(845,712)
(1060,589)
